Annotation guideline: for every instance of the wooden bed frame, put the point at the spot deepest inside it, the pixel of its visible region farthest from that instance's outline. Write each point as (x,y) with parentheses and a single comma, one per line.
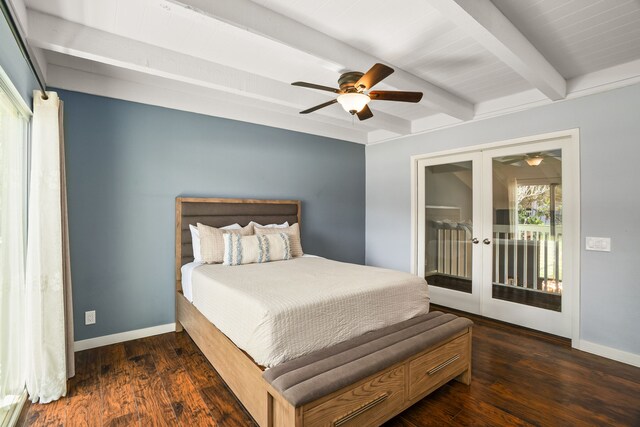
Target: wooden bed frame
(370,401)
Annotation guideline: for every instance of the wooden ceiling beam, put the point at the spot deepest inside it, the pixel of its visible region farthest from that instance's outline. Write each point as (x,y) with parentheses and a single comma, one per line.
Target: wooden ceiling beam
(265,22)
(65,37)
(484,22)
(154,91)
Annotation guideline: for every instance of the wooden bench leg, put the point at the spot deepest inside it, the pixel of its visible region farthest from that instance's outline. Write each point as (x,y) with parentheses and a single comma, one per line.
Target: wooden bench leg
(465,377)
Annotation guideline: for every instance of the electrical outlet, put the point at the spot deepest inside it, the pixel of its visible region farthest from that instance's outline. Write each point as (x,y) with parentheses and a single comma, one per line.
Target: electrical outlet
(90,317)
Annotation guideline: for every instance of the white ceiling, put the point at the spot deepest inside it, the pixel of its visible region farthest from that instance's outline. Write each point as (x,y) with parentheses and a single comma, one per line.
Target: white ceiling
(237,58)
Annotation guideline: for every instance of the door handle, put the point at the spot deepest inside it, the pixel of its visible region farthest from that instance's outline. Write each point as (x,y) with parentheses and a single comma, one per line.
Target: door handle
(486,241)
(475,240)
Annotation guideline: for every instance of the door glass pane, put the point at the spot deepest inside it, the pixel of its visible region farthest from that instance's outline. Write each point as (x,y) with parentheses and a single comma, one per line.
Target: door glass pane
(527,229)
(449,227)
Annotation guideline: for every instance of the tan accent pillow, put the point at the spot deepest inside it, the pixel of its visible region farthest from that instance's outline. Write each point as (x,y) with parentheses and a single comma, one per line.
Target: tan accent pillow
(294,236)
(212,243)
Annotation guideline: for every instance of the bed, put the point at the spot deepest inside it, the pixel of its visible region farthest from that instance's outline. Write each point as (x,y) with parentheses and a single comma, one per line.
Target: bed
(278,311)
(240,320)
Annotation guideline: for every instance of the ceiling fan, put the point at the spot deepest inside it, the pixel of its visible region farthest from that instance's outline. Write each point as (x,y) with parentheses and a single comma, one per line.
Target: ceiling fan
(532,159)
(355,91)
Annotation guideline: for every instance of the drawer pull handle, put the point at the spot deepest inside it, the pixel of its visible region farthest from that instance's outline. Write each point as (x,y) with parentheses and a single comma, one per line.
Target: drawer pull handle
(443,365)
(351,415)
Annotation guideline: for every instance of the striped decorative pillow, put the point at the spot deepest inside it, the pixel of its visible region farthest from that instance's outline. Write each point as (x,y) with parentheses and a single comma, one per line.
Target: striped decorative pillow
(255,249)
(294,236)
(212,244)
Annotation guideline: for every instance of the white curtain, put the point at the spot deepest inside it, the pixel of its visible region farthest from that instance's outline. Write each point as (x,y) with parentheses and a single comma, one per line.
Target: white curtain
(13,192)
(46,261)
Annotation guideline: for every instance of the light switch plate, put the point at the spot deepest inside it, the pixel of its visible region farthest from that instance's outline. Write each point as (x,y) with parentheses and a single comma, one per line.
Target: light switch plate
(602,244)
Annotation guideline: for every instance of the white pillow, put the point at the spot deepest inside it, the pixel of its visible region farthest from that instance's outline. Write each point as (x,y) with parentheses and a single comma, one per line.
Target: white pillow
(240,249)
(283,225)
(195,239)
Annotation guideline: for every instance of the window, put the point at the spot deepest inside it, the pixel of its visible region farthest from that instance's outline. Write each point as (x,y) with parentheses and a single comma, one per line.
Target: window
(13,197)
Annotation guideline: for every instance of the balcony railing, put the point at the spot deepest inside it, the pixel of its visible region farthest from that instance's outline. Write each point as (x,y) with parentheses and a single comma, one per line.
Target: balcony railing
(454,253)
(528,257)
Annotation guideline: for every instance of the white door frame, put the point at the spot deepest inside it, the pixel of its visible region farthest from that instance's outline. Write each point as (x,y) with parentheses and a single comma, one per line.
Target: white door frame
(572,248)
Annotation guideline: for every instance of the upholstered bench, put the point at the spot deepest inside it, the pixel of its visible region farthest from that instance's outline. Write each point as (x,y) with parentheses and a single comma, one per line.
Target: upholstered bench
(371,378)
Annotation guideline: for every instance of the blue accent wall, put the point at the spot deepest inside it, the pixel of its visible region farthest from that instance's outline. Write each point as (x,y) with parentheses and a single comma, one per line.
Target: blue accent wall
(127,162)
(14,64)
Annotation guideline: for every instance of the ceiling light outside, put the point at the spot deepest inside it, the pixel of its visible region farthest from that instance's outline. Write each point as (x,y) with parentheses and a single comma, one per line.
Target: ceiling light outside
(353,102)
(533,161)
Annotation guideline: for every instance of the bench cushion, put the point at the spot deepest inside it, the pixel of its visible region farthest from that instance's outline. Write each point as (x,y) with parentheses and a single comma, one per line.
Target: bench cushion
(317,374)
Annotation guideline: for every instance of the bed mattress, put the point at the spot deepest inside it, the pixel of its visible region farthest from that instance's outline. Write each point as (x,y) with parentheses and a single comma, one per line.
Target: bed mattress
(281,310)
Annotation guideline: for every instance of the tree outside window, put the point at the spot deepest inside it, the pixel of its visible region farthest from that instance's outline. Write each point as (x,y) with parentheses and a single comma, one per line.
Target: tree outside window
(539,204)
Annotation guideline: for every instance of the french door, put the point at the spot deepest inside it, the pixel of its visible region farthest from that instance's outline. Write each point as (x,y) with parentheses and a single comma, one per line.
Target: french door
(449,257)
(492,234)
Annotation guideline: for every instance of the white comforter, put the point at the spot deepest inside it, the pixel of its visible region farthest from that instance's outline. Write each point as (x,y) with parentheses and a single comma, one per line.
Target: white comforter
(281,310)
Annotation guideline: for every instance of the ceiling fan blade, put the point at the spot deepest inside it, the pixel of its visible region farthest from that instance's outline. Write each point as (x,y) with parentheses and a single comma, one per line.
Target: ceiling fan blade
(317,107)
(511,159)
(384,95)
(365,113)
(514,162)
(315,86)
(552,154)
(375,75)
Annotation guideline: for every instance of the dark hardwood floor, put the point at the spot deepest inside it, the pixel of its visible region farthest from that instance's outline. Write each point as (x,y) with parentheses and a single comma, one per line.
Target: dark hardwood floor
(519,378)
(544,300)
(449,282)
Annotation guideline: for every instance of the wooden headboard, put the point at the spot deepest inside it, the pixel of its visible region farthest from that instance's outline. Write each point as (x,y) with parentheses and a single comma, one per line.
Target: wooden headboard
(220,212)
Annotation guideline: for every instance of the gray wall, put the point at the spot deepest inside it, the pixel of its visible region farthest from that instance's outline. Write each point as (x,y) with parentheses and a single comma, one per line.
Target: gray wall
(610,154)
(14,64)
(126,163)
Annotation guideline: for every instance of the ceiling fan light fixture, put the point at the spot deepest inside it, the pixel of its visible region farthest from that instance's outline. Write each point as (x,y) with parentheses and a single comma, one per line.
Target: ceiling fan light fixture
(353,102)
(355,91)
(533,161)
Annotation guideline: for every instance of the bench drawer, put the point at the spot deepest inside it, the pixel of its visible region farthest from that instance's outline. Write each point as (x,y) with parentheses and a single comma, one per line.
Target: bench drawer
(431,370)
(362,405)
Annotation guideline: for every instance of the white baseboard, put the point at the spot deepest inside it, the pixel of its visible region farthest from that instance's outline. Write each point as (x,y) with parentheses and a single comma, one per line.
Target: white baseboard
(123,336)
(609,353)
